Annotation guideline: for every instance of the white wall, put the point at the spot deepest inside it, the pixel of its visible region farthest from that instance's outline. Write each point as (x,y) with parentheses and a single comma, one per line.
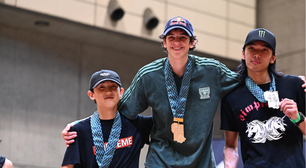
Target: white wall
(222,24)
(44,82)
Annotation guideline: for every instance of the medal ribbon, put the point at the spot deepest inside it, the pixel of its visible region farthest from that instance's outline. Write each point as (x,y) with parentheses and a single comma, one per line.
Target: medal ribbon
(178,102)
(104,157)
(256,90)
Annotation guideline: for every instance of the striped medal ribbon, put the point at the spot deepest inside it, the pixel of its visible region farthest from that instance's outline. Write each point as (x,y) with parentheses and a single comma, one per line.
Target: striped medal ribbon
(257,91)
(104,156)
(178,101)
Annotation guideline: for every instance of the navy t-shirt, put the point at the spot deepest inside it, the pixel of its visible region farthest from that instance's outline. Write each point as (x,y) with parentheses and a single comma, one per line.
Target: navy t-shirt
(134,134)
(268,138)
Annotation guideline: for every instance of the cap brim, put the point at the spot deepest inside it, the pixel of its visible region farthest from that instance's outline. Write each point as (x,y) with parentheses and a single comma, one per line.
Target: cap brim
(257,39)
(177,27)
(100,81)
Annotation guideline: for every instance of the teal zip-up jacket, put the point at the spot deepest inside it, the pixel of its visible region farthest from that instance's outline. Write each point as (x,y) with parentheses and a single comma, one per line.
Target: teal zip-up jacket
(210,81)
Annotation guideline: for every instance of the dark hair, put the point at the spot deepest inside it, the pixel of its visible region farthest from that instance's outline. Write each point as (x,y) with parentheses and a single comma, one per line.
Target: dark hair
(192,38)
(243,73)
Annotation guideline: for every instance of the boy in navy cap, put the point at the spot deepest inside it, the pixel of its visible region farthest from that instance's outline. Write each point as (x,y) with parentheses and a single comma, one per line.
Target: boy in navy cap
(107,139)
(268,114)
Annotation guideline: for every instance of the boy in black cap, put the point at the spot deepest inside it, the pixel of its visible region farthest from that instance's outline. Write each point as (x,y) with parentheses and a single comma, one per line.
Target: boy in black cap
(271,131)
(107,139)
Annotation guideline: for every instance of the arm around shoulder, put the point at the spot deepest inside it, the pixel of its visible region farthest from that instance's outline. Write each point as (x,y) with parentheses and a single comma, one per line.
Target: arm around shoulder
(69,136)
(230,151)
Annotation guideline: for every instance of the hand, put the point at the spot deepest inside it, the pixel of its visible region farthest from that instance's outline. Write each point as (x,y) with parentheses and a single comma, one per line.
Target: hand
(289,107)
(303,79)
(68,136)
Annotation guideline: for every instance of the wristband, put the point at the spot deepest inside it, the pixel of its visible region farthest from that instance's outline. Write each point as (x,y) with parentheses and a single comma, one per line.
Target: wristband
(297,119)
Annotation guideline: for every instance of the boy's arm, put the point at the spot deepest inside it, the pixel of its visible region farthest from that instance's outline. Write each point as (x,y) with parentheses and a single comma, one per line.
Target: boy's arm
(7,164)
(68,136)
(134,100)
(68,166)
(228,80)
(289,107)
(230,151)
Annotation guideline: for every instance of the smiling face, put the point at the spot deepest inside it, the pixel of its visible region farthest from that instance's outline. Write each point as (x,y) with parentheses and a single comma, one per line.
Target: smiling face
(106,94)
(258,56)
(177,43)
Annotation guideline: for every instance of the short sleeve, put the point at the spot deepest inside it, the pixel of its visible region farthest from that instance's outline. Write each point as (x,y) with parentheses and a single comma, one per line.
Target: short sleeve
(228,122)
(72,154)
(228,79)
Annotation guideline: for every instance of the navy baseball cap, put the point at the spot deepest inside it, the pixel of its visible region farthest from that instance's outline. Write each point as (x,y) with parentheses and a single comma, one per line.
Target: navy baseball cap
(101,76)
(178,22)
(261,34)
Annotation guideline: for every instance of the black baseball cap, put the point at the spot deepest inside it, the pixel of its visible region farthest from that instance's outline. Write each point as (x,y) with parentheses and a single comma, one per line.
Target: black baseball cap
(101,76)
(261,34)
(178,22)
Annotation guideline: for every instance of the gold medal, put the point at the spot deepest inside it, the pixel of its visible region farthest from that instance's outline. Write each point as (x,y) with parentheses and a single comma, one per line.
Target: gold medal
(178,130)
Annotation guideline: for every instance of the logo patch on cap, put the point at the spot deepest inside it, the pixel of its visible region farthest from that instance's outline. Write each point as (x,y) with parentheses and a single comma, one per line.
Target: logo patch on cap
(261,33)
(104,74)
(178,20)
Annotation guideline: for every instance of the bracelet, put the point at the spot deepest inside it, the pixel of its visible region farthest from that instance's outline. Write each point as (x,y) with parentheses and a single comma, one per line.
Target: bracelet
(297,119)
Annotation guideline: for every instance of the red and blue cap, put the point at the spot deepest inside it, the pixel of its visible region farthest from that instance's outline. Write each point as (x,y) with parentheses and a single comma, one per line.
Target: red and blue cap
(178,22)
